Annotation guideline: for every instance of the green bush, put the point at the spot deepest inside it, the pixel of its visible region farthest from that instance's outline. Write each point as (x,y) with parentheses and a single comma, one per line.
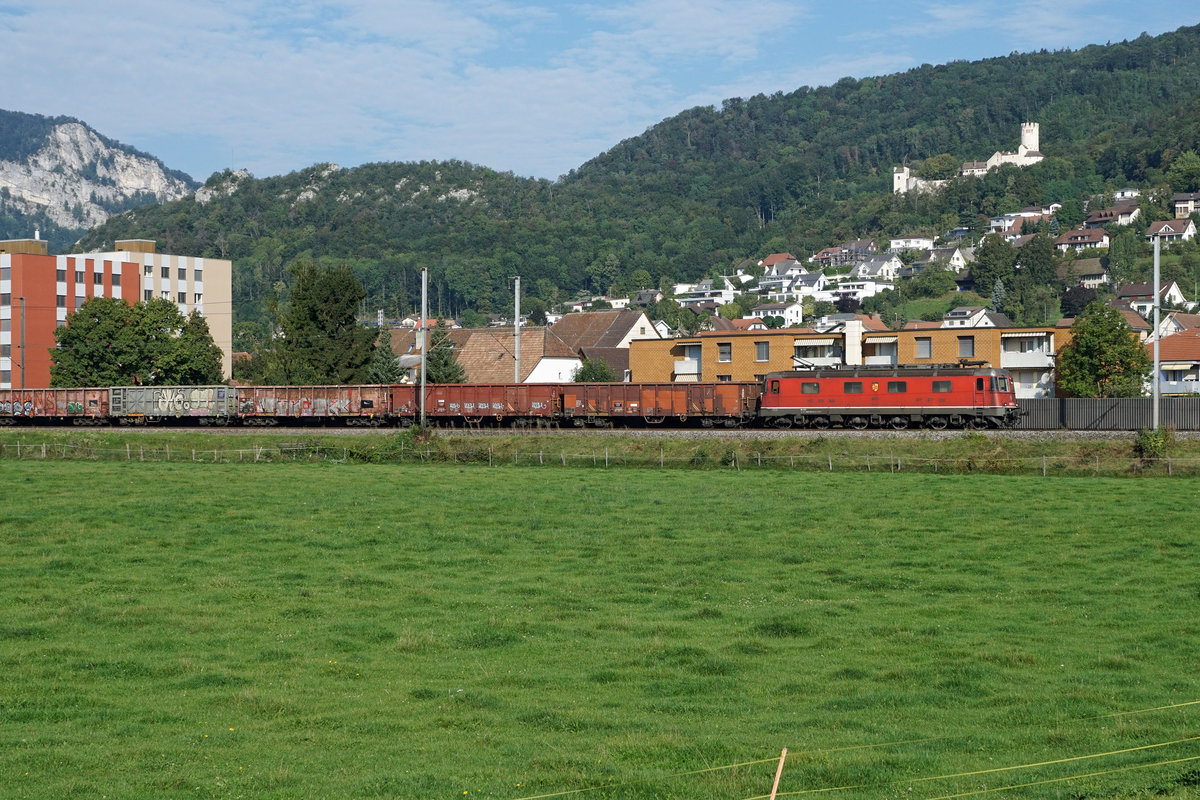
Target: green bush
(1154,443)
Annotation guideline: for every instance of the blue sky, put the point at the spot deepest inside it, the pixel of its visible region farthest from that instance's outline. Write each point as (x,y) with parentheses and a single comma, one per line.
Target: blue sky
(534,87)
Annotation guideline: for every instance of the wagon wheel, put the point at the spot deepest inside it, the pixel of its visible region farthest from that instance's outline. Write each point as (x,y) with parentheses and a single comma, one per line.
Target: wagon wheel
(783,423)
(898,423)
(979,423)
(655,420)
(820,423)
(858,423)
(936,423)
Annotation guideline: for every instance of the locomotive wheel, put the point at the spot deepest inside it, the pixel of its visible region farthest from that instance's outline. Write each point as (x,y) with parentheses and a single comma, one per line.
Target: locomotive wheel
(820,423)
(936,423)
(783,423)
(857,423)
(898,423)
(979,423)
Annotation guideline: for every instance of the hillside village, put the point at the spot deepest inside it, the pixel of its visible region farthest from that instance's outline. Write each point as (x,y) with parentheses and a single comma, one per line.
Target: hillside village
(784,312)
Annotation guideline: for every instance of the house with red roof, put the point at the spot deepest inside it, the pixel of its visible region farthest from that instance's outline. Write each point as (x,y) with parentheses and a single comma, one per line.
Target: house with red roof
(1172,230)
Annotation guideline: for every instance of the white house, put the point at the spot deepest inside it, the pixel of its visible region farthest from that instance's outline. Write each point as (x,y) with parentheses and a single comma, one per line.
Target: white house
(1172,230)
(911,243)
(792,313)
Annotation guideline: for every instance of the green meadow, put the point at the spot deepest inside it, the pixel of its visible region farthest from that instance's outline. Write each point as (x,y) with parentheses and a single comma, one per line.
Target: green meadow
(317,630)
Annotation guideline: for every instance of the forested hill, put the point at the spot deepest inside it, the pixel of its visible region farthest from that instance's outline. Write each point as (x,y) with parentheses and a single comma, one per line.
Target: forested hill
(706,188)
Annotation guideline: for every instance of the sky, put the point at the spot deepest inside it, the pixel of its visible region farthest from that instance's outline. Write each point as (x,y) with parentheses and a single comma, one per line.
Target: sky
(532,87)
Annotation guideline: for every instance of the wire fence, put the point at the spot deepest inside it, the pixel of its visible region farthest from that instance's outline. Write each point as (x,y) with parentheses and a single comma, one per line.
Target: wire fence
(699,458)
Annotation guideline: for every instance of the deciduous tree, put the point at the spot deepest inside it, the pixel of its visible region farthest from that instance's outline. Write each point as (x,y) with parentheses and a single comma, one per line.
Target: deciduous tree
(1104,358)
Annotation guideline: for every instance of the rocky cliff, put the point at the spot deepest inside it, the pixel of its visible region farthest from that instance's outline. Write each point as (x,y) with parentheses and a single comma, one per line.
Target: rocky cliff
(73,178)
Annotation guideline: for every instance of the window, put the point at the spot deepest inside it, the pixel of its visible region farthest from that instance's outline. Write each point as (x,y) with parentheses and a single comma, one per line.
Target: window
(725,378)
(198,275)
(941,386)
(724,351)
(810,387)
(181,297)
(6,299)
(79,301)
(79,276)
(760,377)
(924,347)
(97,279)
(116,279)
(979,384)
(166,273)
(182,273)
(6,376)
(147,270)
(5,350)
(774,386)
(5,325)
(61,276)
(166,295)
(852,387)
(61,301)
(5,273)
(147,295)
(762,351)
(197,298)
(966,347)
(897,387)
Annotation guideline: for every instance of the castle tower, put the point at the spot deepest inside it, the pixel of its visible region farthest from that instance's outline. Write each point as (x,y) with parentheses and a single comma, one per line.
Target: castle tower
(1029,137)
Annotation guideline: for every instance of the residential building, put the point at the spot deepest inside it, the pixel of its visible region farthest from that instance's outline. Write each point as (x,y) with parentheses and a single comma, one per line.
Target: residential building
(488,355)
(605,335)
(1172,230)
(1186,204)
(1179,363)
(1082,239)
(38,291)
(974,317)
(911,242)
(1174,322)
(1086,272)
(1140,296)
(791,313)
(1123,213)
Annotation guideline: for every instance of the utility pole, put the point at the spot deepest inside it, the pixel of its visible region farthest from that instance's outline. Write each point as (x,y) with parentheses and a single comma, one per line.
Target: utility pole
(424,336)
(517,330)
(1157,332)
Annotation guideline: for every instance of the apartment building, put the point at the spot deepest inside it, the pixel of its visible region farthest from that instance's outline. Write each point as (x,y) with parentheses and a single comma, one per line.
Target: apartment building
(38,291)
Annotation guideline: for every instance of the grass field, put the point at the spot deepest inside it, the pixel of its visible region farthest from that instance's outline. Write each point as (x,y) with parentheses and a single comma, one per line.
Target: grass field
(323,630)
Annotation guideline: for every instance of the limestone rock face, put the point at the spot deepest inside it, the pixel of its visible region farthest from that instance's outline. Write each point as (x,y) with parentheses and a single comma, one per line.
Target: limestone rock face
(79,181)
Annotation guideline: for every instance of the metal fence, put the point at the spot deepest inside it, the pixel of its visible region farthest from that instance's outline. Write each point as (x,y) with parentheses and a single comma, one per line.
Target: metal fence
(1116,414)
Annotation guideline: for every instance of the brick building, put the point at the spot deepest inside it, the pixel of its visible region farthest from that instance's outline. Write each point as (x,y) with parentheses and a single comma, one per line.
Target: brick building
(38,291)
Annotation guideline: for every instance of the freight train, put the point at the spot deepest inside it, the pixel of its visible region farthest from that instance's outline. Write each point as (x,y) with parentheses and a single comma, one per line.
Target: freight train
(936,397)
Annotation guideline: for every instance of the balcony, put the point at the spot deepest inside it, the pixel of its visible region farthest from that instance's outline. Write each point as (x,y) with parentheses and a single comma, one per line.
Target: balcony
(1179,387)
(888,360)
(1034,359)
(687,366)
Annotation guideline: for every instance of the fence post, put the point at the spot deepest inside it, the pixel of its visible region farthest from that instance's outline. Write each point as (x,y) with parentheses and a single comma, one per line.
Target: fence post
(868,463)
(168,453)
(193,454)
(489,455)
(660,456)
(831,462)
(1169,465)
(564,457)
(606,458)
(43,449)
(1097,463)
(1043,466)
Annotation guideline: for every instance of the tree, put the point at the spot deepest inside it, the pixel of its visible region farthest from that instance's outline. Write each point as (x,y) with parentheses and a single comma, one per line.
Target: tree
(384,368)
(939,167)
(1076,299)
(1037,260)
(1122,257)
(441,365)
(108,342)
(594,370)
(321,341)
(994,259)
(1104,359)
(1184,173)
(998,295)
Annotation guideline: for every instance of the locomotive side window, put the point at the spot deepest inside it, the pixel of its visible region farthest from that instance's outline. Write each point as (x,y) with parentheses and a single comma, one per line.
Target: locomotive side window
(810,387)
(979,384)
(852,387)
(897,387)
(941,386)
(774,387)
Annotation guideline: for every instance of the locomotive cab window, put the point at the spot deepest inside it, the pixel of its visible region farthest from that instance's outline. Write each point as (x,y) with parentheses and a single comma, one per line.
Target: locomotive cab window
(774,387)
(897,387)
(810,387)
(1002,382)
(852,387)
(979,384)
(941,386)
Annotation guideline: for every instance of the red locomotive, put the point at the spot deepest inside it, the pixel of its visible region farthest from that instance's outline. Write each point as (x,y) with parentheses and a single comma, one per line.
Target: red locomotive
(936,397)
(854,397)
